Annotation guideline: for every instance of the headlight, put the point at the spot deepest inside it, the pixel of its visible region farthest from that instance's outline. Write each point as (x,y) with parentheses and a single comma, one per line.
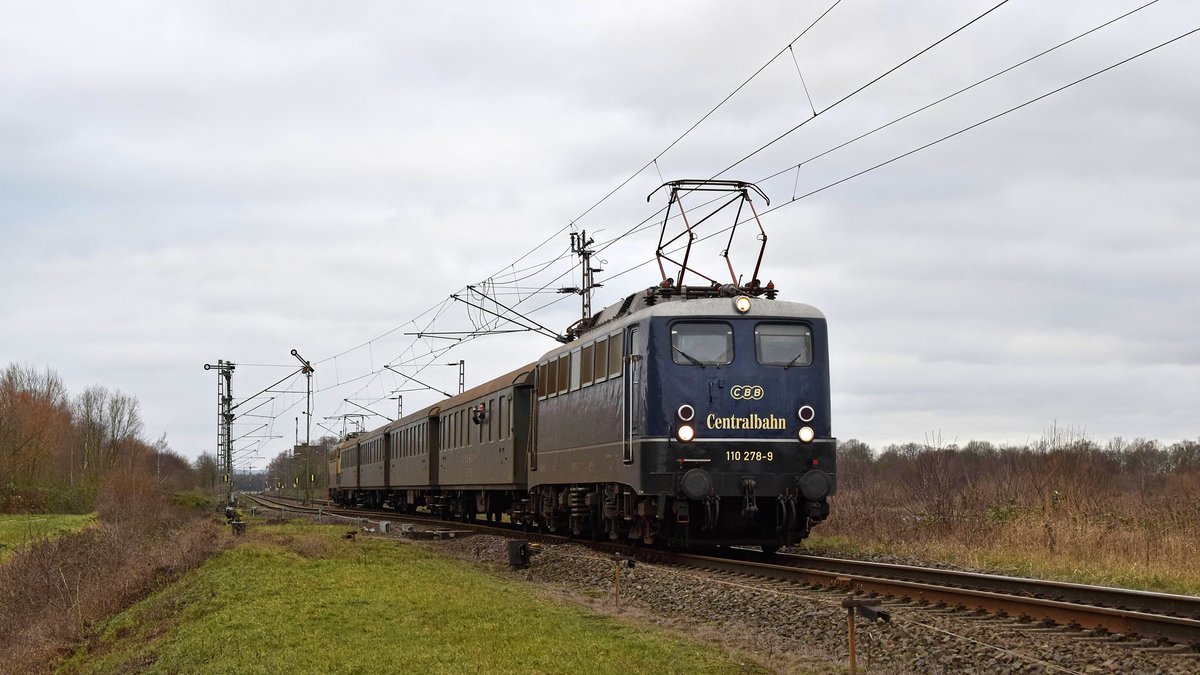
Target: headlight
(807,434)
(686,412)
(806,413)
(742,304)
(685,433)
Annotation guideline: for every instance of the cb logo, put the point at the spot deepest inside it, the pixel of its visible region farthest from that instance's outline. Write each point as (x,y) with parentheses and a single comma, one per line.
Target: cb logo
(746,392)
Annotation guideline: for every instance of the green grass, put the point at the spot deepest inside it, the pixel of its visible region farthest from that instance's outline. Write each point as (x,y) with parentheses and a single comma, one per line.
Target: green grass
(298,598)
(21,530)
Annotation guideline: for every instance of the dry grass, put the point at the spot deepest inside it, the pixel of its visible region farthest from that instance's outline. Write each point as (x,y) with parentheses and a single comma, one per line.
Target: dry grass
(53,591)
(1124,515)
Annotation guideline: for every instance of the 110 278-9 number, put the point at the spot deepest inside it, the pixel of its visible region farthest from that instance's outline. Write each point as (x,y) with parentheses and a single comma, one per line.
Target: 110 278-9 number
(749,456)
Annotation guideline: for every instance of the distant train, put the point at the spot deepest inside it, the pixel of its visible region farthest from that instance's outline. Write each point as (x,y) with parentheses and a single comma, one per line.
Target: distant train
(685,416)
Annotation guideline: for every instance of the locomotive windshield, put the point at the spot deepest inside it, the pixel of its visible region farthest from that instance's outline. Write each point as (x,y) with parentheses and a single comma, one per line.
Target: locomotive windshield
(702,344)
(783,344)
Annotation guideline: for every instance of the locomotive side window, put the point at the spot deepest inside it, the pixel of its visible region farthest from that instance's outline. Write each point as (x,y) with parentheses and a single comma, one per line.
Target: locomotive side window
(701,344)
(614,355)
(783,344)
(575,370)
(564,373)
(586,365)
(601,373)
(552,378)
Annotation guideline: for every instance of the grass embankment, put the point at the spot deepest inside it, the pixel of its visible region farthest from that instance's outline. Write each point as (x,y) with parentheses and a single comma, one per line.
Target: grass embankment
(56,588)
(299,598)
(18,531)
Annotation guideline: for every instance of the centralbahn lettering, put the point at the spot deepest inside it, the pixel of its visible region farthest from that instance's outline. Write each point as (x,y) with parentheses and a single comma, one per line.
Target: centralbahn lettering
(754,422)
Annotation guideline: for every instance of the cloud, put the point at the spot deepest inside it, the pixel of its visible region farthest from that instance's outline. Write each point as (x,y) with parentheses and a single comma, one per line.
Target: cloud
(185,183)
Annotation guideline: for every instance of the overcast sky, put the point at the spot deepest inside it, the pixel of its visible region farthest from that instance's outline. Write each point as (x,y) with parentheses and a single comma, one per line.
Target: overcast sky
(187,182)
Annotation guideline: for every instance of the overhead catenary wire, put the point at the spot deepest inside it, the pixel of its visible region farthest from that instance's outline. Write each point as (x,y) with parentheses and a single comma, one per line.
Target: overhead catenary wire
(957,92)
(931,143)
(649,222)
(588,210)
(536,270)
(865,86)
(983,121)
(685,133)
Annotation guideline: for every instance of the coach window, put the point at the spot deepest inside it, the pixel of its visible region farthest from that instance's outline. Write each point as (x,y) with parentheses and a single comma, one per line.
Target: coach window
(500,418)
(702,344)
(614,355)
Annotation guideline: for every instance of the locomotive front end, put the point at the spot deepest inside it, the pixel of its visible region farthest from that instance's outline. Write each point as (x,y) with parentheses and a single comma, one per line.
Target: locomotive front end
(737,421)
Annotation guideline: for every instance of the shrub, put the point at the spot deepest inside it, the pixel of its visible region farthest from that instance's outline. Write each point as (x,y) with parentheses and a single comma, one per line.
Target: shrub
(53,590)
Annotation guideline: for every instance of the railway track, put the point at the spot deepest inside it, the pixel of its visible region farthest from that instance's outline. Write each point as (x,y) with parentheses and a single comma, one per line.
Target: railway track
(1160,617)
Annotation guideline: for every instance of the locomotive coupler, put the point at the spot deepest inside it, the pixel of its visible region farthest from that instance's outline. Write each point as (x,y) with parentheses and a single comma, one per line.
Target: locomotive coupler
(787,512)
(749,504)
(712,512)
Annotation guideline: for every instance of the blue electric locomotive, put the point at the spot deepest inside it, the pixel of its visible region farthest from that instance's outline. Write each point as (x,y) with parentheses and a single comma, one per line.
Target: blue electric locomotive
(687,418)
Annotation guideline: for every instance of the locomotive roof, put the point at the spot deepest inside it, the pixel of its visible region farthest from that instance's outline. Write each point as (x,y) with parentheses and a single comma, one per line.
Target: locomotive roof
(641,307)
(651,302)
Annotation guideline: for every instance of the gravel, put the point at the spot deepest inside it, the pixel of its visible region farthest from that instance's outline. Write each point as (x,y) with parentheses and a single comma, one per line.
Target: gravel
(796,629)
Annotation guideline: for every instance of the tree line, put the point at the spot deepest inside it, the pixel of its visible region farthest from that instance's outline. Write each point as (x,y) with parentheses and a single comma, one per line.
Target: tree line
(57,449)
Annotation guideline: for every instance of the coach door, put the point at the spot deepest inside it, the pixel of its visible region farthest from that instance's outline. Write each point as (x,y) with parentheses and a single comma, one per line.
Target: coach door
(634,396)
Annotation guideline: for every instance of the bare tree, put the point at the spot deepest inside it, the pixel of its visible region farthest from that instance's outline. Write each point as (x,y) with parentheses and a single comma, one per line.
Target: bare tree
(33,419)
(205,468)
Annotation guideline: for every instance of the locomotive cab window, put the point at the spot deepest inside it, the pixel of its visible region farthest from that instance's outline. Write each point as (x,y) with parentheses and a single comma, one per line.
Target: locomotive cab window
(783,344)
(702,344)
